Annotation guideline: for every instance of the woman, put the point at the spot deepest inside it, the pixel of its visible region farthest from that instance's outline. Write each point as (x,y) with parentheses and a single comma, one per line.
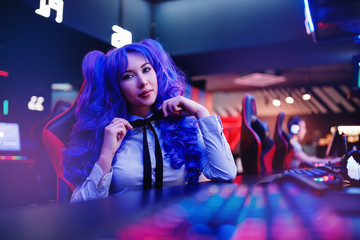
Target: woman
(106,154)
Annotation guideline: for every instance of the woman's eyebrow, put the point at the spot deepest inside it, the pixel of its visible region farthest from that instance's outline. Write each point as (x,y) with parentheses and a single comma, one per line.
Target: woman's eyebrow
(146,63)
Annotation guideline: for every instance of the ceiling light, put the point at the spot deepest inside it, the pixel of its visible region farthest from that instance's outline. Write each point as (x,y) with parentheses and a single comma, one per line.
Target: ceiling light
(289,100)
(276,102)
(306,96)
(259,80)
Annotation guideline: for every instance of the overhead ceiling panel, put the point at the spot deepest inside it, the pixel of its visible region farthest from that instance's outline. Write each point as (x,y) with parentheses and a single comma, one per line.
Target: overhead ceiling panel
(324,100)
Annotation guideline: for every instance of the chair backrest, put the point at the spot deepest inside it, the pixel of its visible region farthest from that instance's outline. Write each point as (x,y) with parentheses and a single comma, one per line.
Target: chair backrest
(250,144)
(256,148)
(267,146)
(59,107)
(56,136)
(231,130)
(283,147)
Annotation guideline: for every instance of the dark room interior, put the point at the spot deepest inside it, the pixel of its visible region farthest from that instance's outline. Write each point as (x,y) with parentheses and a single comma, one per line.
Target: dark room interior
(227,48)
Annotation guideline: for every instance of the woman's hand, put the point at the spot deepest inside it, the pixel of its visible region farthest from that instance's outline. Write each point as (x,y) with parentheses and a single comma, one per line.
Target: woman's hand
(183,107)
(114,133)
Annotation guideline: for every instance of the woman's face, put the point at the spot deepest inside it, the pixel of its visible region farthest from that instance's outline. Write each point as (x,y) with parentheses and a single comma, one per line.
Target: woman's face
(139,85)
(302,130)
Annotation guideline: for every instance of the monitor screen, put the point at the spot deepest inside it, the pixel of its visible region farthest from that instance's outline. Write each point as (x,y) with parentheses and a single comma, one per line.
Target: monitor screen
(337,146)
(9,137)
(356,68)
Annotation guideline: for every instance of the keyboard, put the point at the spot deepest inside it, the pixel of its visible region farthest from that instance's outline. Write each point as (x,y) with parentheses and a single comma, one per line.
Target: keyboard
(329,175)
(310,172)
(278,210)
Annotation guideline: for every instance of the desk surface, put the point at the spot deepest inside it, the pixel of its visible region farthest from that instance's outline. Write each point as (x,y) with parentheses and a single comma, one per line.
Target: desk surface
(194,210)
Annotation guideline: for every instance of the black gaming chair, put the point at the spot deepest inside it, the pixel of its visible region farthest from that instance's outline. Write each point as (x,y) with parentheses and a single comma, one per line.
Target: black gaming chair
(56,136)
(283,148)
(46,177)
(256,147)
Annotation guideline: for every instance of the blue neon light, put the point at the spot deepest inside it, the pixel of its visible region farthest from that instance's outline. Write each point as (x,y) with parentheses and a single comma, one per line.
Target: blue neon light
(308,16)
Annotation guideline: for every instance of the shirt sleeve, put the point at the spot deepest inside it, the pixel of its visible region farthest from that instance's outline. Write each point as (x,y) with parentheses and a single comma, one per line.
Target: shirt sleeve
(217,162)
(93,187)
(296,146)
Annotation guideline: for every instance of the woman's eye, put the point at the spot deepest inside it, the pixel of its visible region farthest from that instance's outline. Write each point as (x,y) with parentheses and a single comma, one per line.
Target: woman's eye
(127,76)
(146,69)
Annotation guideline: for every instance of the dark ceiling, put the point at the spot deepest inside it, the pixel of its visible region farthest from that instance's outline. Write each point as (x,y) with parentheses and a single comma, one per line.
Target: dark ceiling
(227,38)
(214,41)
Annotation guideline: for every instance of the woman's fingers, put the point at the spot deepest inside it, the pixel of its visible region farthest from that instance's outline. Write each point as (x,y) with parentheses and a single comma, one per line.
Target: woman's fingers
(120,121)
(173,106)
(118,127)
(114,133)
(183,106)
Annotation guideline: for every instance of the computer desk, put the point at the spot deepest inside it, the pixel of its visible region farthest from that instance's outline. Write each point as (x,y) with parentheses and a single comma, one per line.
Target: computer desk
(193,212)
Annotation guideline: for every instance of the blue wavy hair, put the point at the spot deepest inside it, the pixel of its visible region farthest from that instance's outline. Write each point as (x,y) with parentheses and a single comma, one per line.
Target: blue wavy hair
(91,115)
(102,100)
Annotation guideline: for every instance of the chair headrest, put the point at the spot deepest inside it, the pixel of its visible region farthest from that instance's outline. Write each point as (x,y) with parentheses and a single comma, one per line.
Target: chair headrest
(279,121)
(249,113)
(62,125)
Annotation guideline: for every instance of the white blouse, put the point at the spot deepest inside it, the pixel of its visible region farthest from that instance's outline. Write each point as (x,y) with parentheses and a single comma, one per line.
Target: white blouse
(216,163)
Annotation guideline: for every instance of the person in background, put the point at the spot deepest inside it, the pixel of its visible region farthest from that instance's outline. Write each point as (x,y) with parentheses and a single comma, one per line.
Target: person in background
(108,153)
(297,131)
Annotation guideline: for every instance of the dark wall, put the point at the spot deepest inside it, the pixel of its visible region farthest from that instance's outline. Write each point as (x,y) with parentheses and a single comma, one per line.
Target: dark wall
(195,26)
(37,52)
(96,18)
(213,36)
(231,36)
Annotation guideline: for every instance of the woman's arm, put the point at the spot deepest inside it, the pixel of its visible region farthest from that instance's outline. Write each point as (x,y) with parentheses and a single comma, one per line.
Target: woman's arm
(97,184)
(217,162)
(311,160)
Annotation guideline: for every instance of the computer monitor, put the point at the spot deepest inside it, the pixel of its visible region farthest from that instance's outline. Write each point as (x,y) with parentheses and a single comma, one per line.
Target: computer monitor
(337,146)
(10,144)
(356,68)
(330,20)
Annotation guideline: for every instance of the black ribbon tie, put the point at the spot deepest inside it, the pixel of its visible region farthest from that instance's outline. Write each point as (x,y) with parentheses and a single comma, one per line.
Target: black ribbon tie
(147,180)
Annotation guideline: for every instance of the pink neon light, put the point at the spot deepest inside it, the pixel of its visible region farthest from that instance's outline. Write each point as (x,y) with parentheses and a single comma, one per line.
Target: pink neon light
(3,73)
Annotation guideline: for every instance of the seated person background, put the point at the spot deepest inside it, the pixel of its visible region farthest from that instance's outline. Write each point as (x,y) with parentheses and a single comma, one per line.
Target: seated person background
(297,130)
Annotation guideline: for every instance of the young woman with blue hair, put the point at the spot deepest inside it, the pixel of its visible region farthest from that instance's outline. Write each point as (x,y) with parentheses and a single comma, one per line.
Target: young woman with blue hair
(109,153)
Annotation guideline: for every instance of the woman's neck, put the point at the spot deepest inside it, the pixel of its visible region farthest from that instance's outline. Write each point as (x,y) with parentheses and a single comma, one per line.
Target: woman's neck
(141,112)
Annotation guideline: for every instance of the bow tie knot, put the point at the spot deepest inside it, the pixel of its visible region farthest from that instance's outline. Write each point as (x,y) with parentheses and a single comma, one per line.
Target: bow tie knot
(158,115)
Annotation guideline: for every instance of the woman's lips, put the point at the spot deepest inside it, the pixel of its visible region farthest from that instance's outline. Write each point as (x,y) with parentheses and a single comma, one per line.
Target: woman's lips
(145,93)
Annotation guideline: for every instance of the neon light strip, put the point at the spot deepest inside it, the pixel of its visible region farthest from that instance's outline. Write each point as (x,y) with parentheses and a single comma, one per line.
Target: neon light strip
(6,107)
(3,73)
(13,157)
(308,16)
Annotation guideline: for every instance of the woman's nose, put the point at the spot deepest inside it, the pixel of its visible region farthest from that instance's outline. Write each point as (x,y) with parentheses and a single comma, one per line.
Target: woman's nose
(142,82)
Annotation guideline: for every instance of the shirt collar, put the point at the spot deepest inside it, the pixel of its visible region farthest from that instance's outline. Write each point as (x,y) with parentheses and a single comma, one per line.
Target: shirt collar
(133,117)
